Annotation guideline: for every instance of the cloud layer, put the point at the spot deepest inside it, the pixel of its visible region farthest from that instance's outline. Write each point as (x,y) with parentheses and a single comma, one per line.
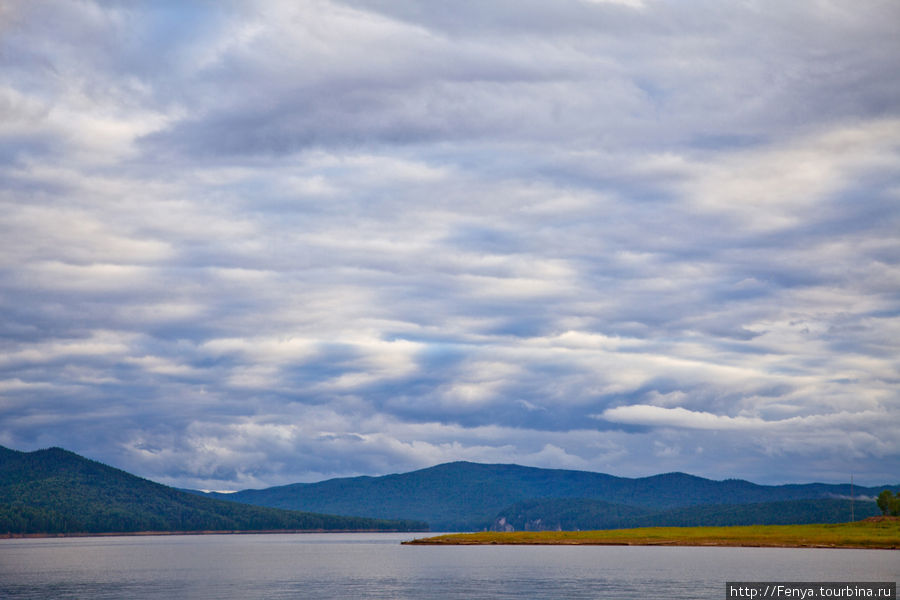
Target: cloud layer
(252,243)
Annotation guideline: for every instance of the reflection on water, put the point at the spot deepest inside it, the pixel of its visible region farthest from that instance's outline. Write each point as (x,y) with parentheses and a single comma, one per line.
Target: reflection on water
(377,566)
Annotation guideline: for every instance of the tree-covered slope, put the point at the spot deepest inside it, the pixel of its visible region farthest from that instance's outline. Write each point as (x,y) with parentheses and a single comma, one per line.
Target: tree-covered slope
(56,491)
(565,514)
(584,514)
(464,496)
(786,512)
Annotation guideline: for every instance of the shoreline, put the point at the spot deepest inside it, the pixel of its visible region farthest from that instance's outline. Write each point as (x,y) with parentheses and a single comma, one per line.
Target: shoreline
(9,536)
(670,543)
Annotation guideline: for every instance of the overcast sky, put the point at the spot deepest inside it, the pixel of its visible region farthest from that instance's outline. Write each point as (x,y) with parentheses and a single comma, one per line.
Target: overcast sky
(251,243)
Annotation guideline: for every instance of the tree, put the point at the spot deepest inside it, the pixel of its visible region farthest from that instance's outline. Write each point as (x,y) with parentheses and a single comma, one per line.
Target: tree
(889,503)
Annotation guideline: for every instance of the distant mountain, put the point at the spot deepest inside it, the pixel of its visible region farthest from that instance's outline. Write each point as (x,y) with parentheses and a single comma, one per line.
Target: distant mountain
(57,491)
(465,496)
(568,514)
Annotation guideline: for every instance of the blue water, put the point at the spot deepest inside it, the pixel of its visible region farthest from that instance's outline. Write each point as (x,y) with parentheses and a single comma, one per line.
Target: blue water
(224,567)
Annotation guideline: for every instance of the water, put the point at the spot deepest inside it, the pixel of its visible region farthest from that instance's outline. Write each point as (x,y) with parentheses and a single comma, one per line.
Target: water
(322,566)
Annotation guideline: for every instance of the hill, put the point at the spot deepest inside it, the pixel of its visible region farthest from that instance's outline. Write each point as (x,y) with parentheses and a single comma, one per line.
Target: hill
(465,496)
(57,491)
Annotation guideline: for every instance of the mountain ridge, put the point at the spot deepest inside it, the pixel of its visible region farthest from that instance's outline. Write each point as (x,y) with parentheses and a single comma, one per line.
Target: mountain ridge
(54,490)
(463,495)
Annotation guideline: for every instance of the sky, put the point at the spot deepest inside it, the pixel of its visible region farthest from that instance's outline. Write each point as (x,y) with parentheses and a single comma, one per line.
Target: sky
(251,243)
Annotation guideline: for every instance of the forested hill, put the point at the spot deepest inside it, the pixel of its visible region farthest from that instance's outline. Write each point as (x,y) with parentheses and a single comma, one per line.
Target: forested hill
(464,496)
(57,491)
(585,514)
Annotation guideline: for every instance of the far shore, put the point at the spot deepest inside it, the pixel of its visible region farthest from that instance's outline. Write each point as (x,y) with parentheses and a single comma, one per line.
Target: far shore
(878,533)
(8,536)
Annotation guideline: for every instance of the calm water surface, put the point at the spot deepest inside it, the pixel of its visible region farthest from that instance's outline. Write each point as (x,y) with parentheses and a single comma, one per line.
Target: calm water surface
(377,566)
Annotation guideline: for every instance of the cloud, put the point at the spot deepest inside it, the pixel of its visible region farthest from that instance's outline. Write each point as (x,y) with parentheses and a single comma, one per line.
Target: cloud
(657,416)
(256,243)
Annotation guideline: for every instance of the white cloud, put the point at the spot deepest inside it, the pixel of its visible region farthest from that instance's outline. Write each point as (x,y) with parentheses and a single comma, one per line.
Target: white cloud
(777,188)
(658,416)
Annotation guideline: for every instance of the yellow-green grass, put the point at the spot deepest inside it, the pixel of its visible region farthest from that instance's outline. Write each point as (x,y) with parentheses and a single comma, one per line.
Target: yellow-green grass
(862,534)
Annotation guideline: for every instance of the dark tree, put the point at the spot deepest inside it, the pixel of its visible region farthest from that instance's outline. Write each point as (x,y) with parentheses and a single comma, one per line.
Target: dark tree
(889,503)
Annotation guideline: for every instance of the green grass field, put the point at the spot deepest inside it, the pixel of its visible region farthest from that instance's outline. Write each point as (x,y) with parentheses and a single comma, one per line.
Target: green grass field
(862,534)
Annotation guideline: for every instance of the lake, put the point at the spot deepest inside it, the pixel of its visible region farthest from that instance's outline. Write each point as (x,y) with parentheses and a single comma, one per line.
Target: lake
(224,567)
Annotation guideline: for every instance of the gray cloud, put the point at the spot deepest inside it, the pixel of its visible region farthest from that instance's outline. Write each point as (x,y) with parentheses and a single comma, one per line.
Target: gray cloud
(257,243)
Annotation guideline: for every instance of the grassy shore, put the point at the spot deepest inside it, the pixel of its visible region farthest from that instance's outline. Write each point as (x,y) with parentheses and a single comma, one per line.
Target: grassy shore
(863,534)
